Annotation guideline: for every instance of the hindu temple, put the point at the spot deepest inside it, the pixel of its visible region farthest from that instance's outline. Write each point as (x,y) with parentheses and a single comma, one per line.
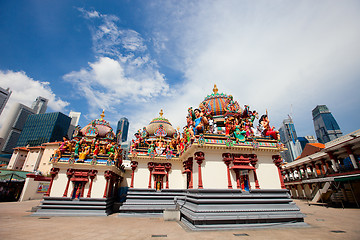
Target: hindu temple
(222,170)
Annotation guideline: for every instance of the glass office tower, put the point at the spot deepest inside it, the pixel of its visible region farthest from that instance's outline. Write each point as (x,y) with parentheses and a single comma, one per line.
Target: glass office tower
(326,127)
(42,128)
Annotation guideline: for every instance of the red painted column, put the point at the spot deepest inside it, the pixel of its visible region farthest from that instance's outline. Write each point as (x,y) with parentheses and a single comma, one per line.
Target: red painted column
(151,167)
(253,161)
(69,174)
(167,169)
(227,160)
(277,160)
(107,176)
(82,189)
(53,173)
(199,157)
(133,167)
(92,175)
(237,179)
(190,167)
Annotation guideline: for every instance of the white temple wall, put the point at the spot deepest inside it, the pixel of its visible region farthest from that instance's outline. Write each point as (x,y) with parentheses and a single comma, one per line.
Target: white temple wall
(141,175)
(45,164)
(30,190)
(267,172)
(214,171)
(59,184)
(177,180)
(127,179)
(98,187)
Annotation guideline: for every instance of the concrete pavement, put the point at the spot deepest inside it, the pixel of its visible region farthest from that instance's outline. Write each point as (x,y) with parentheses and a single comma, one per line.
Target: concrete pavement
(324,223)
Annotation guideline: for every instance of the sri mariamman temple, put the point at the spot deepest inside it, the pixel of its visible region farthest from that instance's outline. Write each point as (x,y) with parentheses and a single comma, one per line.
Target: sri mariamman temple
(221,171)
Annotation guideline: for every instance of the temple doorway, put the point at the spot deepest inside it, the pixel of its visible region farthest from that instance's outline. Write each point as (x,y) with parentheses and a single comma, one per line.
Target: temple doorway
(158,181)
(244,178)
(78,190)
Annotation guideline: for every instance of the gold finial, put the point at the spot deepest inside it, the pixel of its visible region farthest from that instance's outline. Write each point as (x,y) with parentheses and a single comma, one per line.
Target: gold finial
(161,113)
(178,128)
(102,115)
(215,89)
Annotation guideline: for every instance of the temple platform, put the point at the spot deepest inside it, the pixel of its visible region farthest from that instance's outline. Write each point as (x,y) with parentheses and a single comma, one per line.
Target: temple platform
(64,206)
(217,209)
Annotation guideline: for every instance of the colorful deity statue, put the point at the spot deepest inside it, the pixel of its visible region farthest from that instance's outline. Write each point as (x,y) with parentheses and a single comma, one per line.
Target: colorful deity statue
(200,122)
(239,134)
(63,146)
(267,130)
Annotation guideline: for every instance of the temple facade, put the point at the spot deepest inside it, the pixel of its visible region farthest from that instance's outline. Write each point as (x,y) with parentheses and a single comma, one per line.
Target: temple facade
(225,152)
(220,160)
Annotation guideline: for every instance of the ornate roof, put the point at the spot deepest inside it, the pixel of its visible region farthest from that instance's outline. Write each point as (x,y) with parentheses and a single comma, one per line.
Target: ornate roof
(98,128)
(160,126)
(216,103)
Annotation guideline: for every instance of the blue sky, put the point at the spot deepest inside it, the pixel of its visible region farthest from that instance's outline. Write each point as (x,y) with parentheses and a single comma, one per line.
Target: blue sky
(133,58)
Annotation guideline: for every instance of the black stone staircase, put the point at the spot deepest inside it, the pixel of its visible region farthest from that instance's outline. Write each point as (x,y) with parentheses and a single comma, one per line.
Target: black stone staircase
(149,202)
(64,206)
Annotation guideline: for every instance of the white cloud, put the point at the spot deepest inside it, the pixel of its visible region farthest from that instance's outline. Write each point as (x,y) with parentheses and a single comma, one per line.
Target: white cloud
(268,55)
(25,90)
(105,84)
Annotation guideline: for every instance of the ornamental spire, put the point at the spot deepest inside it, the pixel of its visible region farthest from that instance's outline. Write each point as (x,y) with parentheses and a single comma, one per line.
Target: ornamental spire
(161,113)
(102,115)
(215,89)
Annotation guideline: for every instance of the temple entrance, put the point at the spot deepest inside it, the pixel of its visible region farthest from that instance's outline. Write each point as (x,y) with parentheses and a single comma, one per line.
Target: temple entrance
(158,178)
(78,191)
(244,178)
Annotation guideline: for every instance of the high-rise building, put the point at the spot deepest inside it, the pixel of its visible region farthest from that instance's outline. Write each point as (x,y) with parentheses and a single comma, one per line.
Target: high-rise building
(42,128)
(307,139)
(325,125)
(289,138)
(40,105)
(15,121)
(4,97)
(123,128)
(13,125)
(75,117)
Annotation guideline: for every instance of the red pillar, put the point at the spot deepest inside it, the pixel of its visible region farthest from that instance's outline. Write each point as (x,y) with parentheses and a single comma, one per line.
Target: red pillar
(227,160)
(190,167)
(199,157)
(237,179)
(107,176)
(167,169)
(53,173)
(69,174)
(151,167)
(133,167)
(277,160)
(253,161)
(92,175)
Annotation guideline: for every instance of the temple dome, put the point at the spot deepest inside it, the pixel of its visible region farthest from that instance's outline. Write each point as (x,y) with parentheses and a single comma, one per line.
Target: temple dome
(98,128)
(155,125)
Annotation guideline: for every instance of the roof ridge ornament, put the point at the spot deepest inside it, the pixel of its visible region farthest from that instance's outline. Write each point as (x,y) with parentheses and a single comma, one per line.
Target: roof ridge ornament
(215,89)
(161,113)
(102,115)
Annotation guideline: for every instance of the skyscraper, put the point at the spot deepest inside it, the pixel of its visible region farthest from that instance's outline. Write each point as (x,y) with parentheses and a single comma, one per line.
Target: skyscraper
(4,97)
(75,117)
(15,121)
(40,105)
(289,138)
(41,128)
(325,125)
(13,125)
(123,128)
